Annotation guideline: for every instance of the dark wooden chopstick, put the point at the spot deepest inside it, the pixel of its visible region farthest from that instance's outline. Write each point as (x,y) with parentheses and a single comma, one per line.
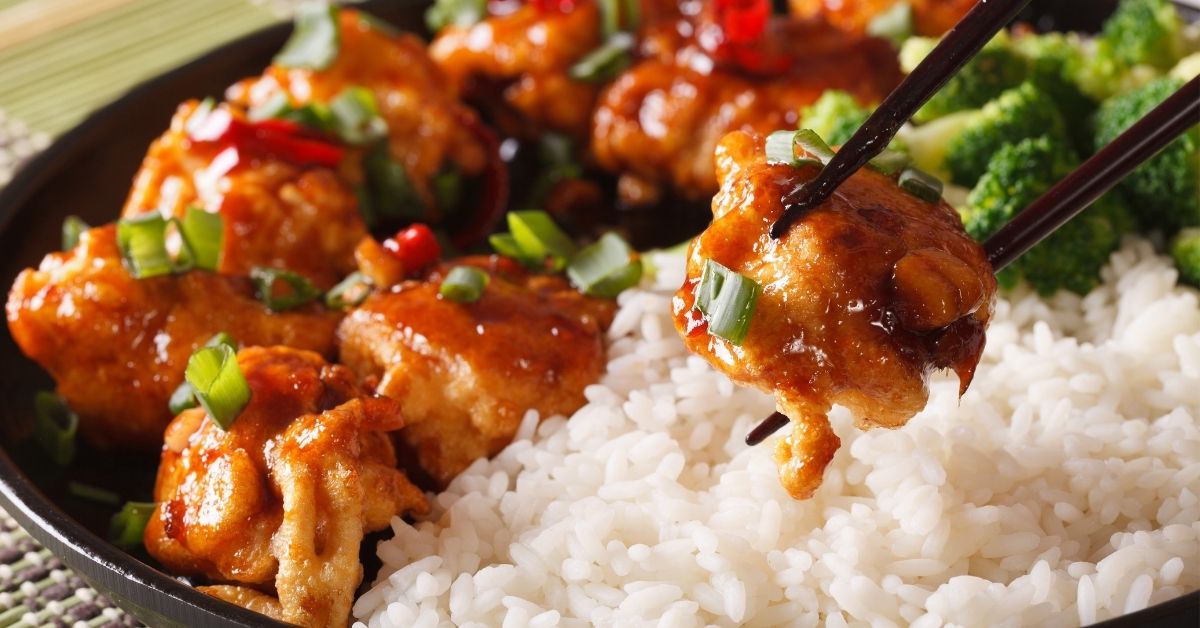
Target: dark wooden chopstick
(1073,194)
(974,30)
(1097,175)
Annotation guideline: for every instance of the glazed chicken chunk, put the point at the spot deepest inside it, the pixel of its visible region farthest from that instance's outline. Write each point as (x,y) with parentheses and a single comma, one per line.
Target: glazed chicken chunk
(117,346)
(276,213)
(428,130)
(861,300)
(276,506)
(465,373)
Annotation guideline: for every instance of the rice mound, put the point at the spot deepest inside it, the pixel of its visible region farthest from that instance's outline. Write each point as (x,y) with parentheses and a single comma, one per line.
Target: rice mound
(1061,490)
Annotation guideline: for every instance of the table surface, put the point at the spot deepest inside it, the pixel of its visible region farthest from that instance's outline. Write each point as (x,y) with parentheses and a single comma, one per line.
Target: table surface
(60,60)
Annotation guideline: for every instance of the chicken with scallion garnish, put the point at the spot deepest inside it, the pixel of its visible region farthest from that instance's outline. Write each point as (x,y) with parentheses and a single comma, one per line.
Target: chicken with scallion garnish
(269,487)
(856,305)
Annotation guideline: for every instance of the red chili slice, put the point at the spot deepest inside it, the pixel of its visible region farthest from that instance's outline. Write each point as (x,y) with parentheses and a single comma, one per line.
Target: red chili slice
(743,21)
(280,139)
(415,246)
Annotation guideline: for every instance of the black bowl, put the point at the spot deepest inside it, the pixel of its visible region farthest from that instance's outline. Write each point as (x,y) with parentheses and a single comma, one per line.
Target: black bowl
(87,172)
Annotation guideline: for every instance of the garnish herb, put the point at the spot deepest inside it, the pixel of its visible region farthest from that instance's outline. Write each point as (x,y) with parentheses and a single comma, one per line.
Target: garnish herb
(349,292)
(356,116)
(539,238)
(93,493)
(297,290)
(183,398)
(127,527)
(605,268)
(896,23)
(143,244)
(460,13)
(728,300)
(203,233)
(54,427)
(315,39)
(389,193)
(218,382)
(72,228)
(781,149)
(890,161)
(921,184)
(464,284)
(811,143)
(607,61)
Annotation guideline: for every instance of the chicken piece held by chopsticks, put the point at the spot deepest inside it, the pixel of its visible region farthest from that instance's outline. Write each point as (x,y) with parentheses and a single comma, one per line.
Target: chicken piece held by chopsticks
(860,301)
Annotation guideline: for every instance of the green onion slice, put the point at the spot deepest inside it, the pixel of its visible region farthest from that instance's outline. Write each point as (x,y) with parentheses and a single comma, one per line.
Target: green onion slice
(896,23)
(277,106)
(356,116)
(203,232)
(93,493)
(781,149)
(539,238)
(921,184)
(218,382)
(464,284)
(222,339)
(127,527)
(72,228)
(890,161)
(605,62)
(296,289)
(605,268)
(315,39)
(349,292)
(392,193)
(54,427)
(184,398)
(506,245)
(143,243)
(462,13)
(619,15)
(811,143)
(728,300)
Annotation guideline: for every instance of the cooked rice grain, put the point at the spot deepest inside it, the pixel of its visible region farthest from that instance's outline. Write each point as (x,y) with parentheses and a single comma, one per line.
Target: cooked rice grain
(1062,489)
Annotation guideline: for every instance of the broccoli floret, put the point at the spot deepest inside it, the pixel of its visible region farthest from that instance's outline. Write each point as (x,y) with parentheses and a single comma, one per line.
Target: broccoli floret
(1166,189)
(1019,113)
(1072,256)
(835,116)
(996,68)
(1055,61)
(1145,32)
(1185,249)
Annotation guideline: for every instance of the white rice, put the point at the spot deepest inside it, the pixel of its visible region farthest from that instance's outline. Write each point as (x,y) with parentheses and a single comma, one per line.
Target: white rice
(1061,490)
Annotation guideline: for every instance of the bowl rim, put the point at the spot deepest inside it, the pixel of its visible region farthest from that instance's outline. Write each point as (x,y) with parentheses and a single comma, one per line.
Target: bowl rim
(155,597)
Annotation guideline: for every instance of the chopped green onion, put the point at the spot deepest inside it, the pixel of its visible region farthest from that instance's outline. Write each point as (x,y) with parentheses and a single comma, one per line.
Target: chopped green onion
(356,116)
(460,13)
(781,149)
(72,228)
(54,427)
(92,493)
(539,238)
(297,289)
(315,39)
(890,161)
(921,184)
(605,268)
(277,106)
(811,143)
(143,244)
(605,62)
(464,284)
(618,15)
(728,300)
(184,398)
(219,384)
(312,115)
(392,193)
(349,292)
(127,527)
(896,23)
(204,233)
(506,245)
(222,338)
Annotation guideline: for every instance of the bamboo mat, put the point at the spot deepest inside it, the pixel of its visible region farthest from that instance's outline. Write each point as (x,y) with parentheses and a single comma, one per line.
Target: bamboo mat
(60,60)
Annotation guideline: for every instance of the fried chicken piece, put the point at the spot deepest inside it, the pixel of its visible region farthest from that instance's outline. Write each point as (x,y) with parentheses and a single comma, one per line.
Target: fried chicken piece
(276,214)
(465,374)
(931,17)
(281,500)
(117,346)
(518,65)
(861,300)
(428,129)
(658,123)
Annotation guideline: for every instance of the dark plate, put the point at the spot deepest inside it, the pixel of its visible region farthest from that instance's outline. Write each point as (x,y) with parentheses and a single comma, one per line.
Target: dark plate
(88,172)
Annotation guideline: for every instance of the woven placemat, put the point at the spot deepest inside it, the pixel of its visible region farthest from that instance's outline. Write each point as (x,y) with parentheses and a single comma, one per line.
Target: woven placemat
(60,60)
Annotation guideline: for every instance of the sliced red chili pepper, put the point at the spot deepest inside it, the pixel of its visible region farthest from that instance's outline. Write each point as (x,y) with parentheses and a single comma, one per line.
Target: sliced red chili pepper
(743,21)
(415,246)
(561,6)
(281,139)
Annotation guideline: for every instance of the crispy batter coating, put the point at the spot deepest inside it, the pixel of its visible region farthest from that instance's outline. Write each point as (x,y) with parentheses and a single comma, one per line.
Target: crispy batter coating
(280,502)
(427,127)
(517,65)
(275,214)
(466,373)
(659,122)
(931,17)
(117,346)
(865,296)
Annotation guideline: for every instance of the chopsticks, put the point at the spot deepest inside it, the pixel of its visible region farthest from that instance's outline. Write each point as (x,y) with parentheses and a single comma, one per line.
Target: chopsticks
(967,37)
(1073,194)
